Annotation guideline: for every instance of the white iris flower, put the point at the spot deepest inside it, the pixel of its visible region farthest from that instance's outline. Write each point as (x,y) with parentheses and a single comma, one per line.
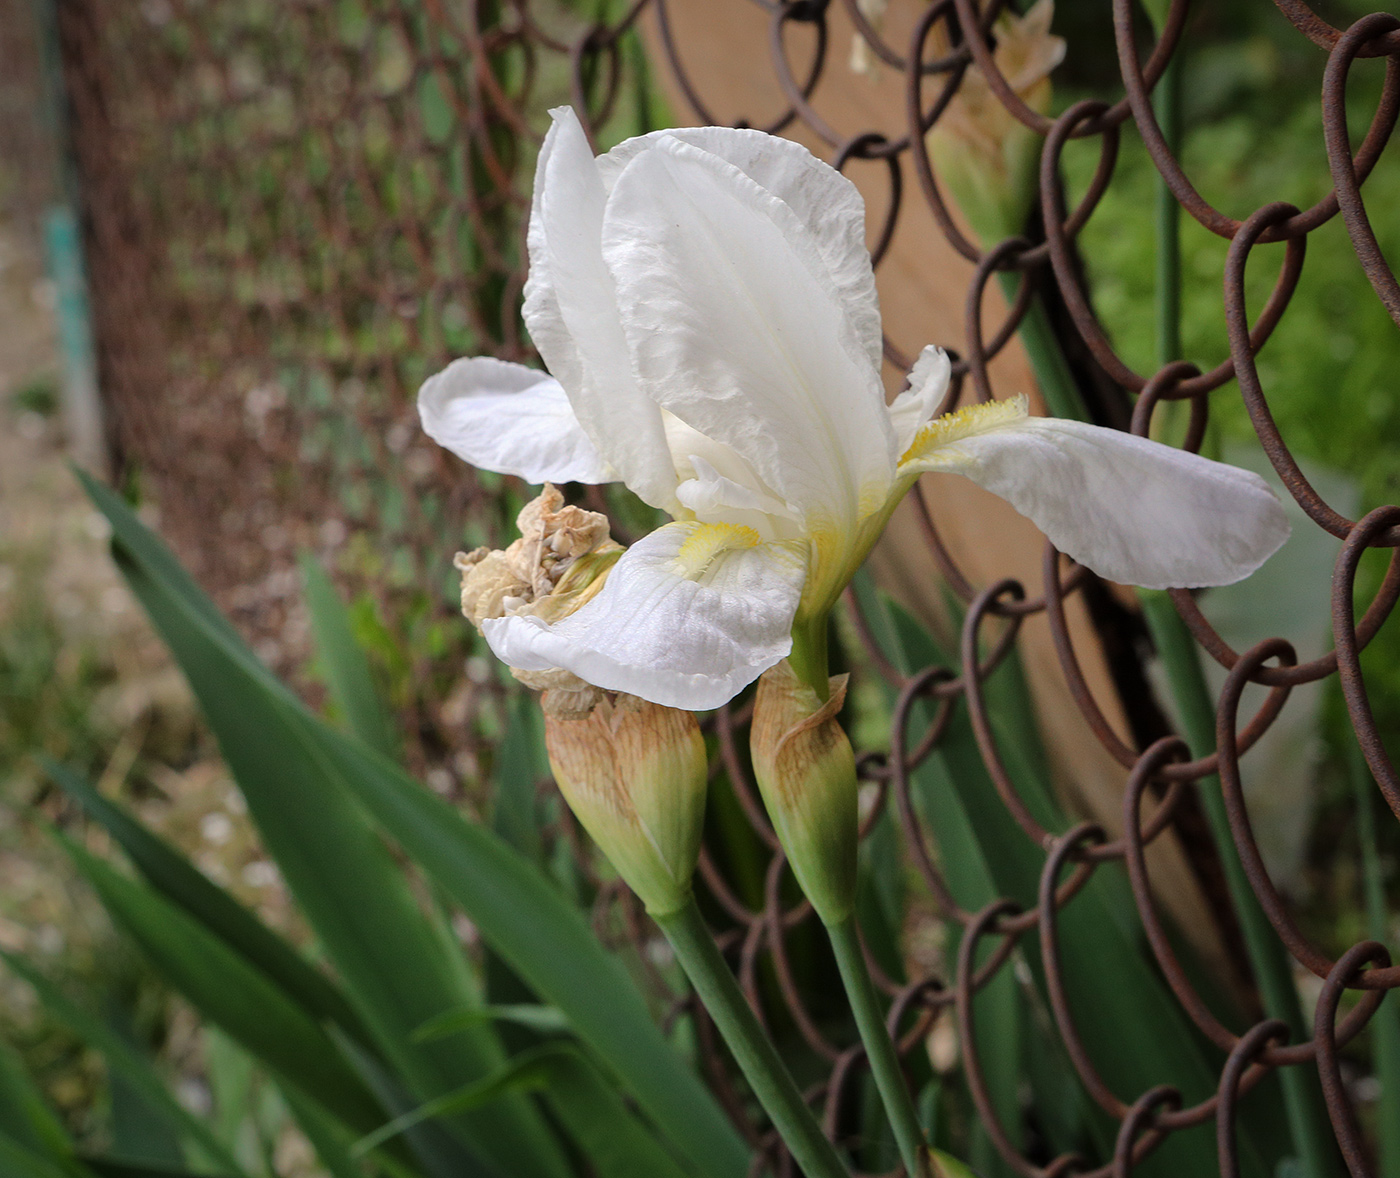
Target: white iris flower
(705,303)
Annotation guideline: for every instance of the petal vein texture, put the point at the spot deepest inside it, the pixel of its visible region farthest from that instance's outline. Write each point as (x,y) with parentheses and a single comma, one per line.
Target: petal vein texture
(510,419)
(1131,509)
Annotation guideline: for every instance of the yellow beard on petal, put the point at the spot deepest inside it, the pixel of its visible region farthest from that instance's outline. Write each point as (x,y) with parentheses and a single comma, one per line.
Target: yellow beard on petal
(708,541)
(964,423)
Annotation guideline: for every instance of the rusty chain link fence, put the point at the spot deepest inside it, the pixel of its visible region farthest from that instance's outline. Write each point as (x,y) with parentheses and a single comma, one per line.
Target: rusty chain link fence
(297,210)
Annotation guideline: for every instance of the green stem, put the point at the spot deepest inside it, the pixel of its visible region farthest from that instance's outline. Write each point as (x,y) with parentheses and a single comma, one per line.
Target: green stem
(752,1050)
(1385,1026)
(879,1047)
(1166,102)
(1302,1094)
(1052,374)
(809,655)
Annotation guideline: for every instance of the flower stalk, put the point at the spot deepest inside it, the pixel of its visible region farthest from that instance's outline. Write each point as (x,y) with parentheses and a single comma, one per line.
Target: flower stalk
(879,1047)
(766,1073)
(806,772)
(809,656)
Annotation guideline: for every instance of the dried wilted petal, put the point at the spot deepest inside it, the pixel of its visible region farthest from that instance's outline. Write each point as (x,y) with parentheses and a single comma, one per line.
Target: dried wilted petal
(552,536)
(634,773)
(557,565)
(806,772)
(490,589)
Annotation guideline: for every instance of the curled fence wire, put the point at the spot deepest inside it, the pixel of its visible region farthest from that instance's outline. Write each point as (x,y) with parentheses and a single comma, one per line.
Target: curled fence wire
(297,210)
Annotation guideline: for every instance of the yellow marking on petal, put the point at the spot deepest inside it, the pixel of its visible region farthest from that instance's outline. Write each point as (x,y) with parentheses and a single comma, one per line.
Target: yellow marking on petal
(709,540)
(828,566)
(964,422)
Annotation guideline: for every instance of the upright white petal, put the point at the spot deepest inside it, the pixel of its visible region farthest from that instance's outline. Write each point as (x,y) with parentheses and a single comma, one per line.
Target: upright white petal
(572,315)
(510,419)
(1131,509)
(733,328)
(689,616)
(543,319)
(827,203)
(914,407)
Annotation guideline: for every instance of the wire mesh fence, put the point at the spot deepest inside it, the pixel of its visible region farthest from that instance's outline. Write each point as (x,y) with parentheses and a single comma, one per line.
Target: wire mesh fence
(296,211)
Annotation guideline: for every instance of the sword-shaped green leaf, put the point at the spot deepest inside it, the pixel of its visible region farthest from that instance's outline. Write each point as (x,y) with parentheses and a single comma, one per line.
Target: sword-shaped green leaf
(122,1060)
(300,775)
(389,957)
(343,663)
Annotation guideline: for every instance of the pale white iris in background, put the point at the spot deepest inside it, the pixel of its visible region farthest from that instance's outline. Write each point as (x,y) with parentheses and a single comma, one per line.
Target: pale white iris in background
(705,304)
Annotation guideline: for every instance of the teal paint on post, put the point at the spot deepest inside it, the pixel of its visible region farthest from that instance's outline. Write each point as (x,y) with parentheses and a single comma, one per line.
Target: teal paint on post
(82,408)
(63,244)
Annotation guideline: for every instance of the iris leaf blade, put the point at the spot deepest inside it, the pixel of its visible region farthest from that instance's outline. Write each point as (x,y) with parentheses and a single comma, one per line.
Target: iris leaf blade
(121,1058)
(176,878)
(519,912)
(344,664)
(381,943)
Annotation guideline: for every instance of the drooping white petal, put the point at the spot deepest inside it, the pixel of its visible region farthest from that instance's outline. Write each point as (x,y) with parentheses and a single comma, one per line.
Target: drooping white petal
(928,381)
(733,327)
(827,203)
(1133,510)
(689,616)
(510,419)
(571,313)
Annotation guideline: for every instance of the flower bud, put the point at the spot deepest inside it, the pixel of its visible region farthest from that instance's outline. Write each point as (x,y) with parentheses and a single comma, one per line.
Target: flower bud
(988,158)
(807,773)
(634,773)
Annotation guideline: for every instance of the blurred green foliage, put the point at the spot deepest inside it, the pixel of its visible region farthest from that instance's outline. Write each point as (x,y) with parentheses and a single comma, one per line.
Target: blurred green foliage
(48,685)
(38,395)
(1253,134)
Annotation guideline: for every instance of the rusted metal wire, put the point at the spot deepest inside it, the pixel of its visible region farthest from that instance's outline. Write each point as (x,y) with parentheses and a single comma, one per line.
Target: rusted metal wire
(294,214)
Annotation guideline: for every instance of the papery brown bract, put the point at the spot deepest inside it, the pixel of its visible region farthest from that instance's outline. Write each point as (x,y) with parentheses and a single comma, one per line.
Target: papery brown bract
(634,773)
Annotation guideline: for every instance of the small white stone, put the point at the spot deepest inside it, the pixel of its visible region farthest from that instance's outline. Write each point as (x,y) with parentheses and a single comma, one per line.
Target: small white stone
(260,873)
(216,828)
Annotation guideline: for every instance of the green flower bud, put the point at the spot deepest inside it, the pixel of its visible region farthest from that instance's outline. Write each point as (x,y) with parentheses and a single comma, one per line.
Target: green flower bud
(806,772)
(634,773)
(985,156)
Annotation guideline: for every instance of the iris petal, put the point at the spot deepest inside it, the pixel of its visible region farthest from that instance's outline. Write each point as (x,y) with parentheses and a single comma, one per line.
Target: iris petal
(734,328)
(510,419)
(928,381)
(572,315)
(1132,510)
(829,206)
(689,616)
